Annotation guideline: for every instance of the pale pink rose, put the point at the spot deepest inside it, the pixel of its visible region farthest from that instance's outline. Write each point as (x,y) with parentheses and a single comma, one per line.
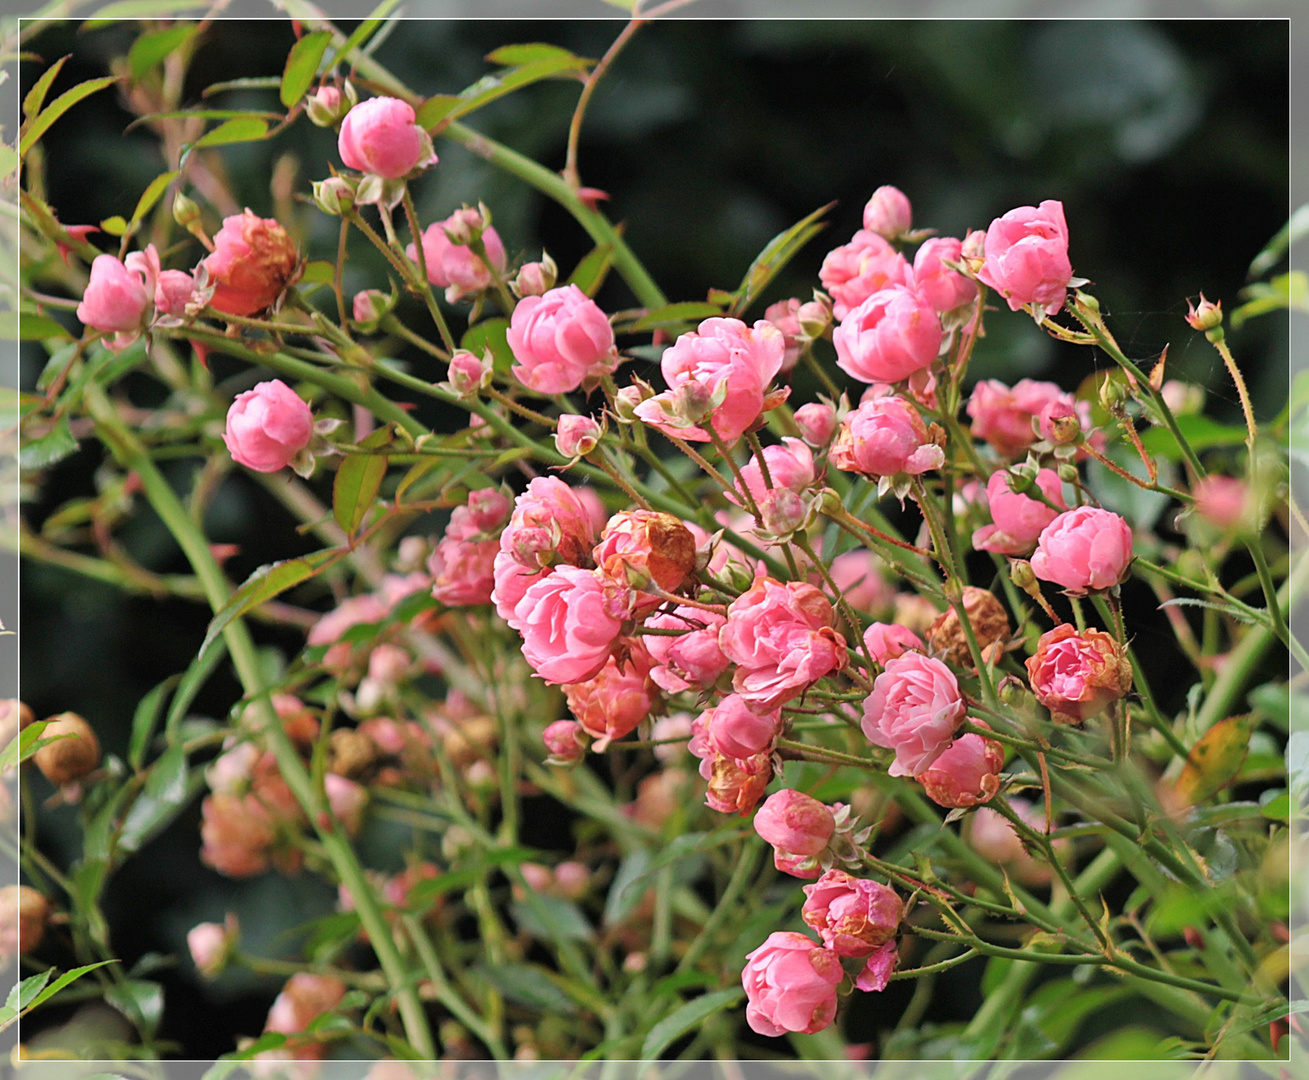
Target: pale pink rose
(855,271)
(576,436)
(236,832)
(733,728)
(173,291)
(1083,549)
(853,916)
(611,704)
(389,664)
(785,316)
(560,339)
(888,213)
(1018,519)
(253,261)
(798,827)
(945,289)
(1078,675)
(817,423)
(692,658)
(347,801)
(462,566)
(790,466)
(230,772)
(117,296)
(565,741)
(210,945)
(914,710)
(965,774)
(568,631)
(859,577)
(1222,501)
(379,136)
(736,784)
(369,305)
(352,611)
(1027,257)
(268,426)
(885,436)
(790,984)
(781,637)
(729,365)
(1004,417)
(886,641)
(887,338)
(877,972)
(456,267)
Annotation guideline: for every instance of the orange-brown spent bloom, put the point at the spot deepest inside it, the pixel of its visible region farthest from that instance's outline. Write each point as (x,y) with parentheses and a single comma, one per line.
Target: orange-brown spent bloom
(253,262)
(1078,675)
(987,617)
(74,753)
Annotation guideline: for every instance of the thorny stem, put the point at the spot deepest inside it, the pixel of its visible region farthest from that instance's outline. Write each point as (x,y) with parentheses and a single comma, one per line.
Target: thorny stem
(424,283)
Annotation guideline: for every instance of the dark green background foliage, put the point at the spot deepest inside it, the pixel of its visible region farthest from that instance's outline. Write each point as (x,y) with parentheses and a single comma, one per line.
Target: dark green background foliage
(1166,142)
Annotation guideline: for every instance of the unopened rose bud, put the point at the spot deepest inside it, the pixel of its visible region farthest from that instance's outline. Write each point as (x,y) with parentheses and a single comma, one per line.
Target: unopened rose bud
(1067,472)
(211,945)
(1020,573)
(536,278)
(74,753)
(814,316)
(23,916)
(817,423)
(572,879)
(693,401)
(185,211)
(1112,395)
(335,195)
(888,213)
(1183,398)
(577,436)
(369,307)
(1012,692)
(326,107)
(566,741)
(469,373)
(1206,317)
(626,401)
(973,249)
(783,512)
(465,225)
(1060,423)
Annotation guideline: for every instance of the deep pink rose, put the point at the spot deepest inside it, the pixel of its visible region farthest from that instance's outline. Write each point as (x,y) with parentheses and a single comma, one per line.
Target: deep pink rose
(785,316)
(611,704)
(1083,549)
(118,295)
(886,641)
(885,436)
(891,335)
(790,984)
(914,710)
(379,136)
(965,774)
(888,213)
(781,638)
(456,267)
(945,289)
(1078,675)
(1027,257)
(560,339)
(1018,519)
(853,916)
(462,566)
(733,728)
(568,630)
(855,271)
(268,426)
(691,659)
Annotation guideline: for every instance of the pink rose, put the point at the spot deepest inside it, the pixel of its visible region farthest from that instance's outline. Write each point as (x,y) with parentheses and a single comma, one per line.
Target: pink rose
(790,984)
(568,631)
(855,271)
(566,742)
(914,710)
(817,423)
(945,289)
(560,339)
(236,832)
(885,436)
(463,564)
(1027,257)
(118,295)
(965,774)
(1084,549)
(1223,501)
(173,291)
(799,827)
(888,213)
(690,659)
(891,335)
(790,466)
(1078,675)
(1018,519)
(727,367)
(347,801)
(886,641)
(877,972)
(853,916)
(785,316)
(858,575)
(576,436)
(781,638)
(1004,417)
(456,267)
(733,728)
(303,999)
(379,136)
(253,261)
(611,704)
(268,426)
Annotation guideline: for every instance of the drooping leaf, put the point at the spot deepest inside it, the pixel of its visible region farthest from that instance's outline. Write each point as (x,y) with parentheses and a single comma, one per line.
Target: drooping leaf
(42,123)
(146,719)
(357,483)
(436,112)
(779,251)
(1214,760)
(22,993)
(149,49)
(302,65)
(681,1020)
(151,194)
(36,96)
(238,129)
(114,226)
(267,582)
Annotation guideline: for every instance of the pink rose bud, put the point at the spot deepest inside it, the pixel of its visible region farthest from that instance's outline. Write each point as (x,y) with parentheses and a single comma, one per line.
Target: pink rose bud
(886,641)
(368,308)
(781,637)
(891,335)
(567,626)
(335,195)
(858,575)
(1078,675)
(469,373)
(855,271)
(117,295)
(1004,417)
(1223,501)
(379,136)
(965,774)
(736,784)
(691,659)
(253,262)
(1083,549)
(566,742)
(326,107)
(1027,257)
(879,969)
(783,513)
(535,278)
(173,291)
(453,266)
(612,703)
(853,916)
(626,401)
(799,828)
(790,985)
(730,366)
(389,663)
(885,436)
(733,728)
(814,316)
(1207,316)
(268,426)
(817,423)
(1018,519)
(888,213)
(560,339)
(914,710)
(785,316)
(211,945)
(572,879)
(347,801)
(576,436)
(466,225)
(944,288)
(1059,422)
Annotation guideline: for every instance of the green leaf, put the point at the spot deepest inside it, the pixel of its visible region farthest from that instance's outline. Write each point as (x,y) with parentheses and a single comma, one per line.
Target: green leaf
(152,193)
(621,899)
(55,445)
(22,993)
(436,112)
(165,794)
(302,65)
(490,334)
(238,129)
(114,226)
(681,1020)
(206,114)
(518,55)
(257,82)
(65,101)
(590,273)
(529,985)
(36,96)
(65,979)
(149,49)
(1278,808)
(1296,227)
(317,272)
(146,719)
(142,9)
(26,743)
(779,251)
(267,582)
(365,30)
(31,327)
(672,314)
(141,1001)
(551,918)
(196,675)
(1214,760)
(8,159)
(1200,431)
(357,483)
